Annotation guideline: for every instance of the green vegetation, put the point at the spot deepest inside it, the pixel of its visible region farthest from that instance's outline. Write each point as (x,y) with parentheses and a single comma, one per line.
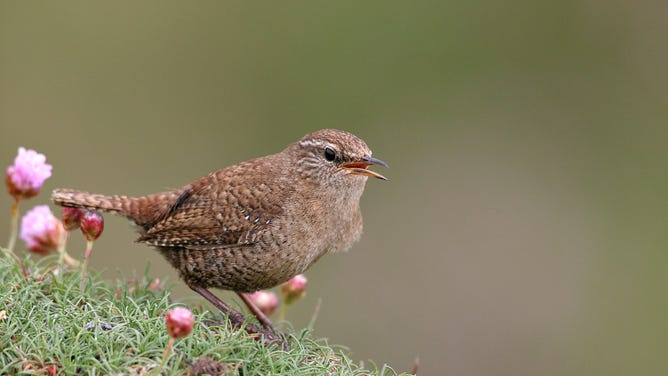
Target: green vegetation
(48,325)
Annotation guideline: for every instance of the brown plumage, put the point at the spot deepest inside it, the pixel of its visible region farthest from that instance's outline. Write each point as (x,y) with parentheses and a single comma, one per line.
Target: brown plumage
(255,224)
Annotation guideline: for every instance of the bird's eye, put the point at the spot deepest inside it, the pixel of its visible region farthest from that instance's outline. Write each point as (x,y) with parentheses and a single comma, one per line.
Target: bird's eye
(330,155)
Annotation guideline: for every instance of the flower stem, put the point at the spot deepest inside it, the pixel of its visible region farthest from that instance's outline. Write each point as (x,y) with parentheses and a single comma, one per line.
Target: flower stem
(61,259)
(84,266)
(284,309)
(165,355)
(13,230)
(70,261)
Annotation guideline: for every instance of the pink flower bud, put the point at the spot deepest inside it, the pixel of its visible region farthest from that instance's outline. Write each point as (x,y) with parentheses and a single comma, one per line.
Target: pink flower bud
(294,289)
(92,224)
(26,176)
(266,301)
(179,322)
(41,231)
(71,217)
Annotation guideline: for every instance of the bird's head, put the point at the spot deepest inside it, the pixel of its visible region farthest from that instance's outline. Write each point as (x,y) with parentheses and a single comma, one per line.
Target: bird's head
(335,157)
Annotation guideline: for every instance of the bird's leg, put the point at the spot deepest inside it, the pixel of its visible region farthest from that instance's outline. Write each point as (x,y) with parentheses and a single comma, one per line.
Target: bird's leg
(236,318)
(261,317)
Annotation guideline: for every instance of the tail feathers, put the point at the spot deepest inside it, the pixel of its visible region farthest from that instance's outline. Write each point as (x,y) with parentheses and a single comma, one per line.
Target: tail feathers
(85,200)
(144,211)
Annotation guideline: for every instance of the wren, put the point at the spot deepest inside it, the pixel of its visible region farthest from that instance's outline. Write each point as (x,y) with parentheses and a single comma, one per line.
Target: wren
(256,224)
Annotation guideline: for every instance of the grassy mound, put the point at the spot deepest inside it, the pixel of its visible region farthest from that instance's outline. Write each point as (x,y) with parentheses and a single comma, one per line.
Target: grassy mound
(48,326)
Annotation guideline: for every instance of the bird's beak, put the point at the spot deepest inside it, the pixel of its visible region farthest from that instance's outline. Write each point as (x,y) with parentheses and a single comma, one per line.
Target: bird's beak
(360,167)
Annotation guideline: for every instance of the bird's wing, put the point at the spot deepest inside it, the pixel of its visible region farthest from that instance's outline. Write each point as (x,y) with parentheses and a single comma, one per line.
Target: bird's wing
(212,212)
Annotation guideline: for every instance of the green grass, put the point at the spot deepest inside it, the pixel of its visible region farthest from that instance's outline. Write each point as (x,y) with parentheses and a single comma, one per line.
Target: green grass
(118,328)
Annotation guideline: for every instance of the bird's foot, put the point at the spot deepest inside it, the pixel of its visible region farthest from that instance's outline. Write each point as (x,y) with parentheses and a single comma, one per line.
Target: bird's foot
(257,332)
(267,334)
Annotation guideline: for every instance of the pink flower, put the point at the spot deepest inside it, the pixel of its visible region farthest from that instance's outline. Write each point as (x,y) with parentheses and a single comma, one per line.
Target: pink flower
(266,301)
(26,176)
(41,231)
(180,322)
(92,224)
(294,289)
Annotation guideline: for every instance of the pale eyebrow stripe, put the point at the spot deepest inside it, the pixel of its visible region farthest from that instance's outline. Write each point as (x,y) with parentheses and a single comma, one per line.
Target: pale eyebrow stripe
(316,143)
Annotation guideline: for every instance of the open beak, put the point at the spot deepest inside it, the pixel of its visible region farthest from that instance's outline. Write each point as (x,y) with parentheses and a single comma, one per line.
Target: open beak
(360,167)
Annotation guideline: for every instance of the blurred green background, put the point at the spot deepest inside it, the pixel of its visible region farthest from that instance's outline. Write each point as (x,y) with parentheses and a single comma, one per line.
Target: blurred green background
(524,227)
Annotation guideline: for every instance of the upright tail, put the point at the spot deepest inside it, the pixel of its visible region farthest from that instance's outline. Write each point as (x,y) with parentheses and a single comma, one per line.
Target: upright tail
(144,211)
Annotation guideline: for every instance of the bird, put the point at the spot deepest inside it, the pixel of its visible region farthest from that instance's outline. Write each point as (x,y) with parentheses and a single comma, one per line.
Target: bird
(255,224)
